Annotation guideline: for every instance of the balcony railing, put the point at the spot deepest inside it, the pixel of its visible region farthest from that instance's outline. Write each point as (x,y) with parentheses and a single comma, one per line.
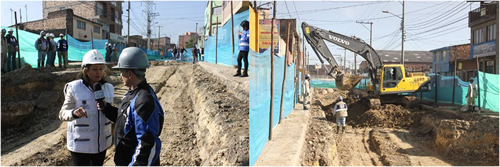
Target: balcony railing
(482,14)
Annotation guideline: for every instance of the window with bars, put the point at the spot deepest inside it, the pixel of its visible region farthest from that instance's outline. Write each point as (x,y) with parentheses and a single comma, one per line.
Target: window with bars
(492,32)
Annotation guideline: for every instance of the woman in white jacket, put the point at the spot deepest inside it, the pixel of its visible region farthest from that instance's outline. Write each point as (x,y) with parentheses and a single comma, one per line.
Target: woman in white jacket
(89,131)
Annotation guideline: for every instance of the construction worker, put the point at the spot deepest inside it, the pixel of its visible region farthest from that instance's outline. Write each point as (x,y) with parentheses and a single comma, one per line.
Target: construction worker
(109,50)
(307,91)
(42,45)
(195,54)
(62,48)
(471,96)
(12,48)
(89,131)
(3,41)
(52,51)
(340,112)
(139,118)
(244,48)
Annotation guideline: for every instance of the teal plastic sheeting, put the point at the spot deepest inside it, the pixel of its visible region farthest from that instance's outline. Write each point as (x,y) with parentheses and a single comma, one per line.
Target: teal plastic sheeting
(488,90)
(260,97)
(225,54)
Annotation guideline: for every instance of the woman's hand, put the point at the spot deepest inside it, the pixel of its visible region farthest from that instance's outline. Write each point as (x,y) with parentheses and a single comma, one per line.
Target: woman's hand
(80,112)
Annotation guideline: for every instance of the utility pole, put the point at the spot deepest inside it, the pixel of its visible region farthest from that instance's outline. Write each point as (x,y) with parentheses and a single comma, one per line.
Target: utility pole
(371,26)
(26,7)
(196,33)
(128,22)
(345,52)
(403,36)
(159,37)
(149,17)
(210,24)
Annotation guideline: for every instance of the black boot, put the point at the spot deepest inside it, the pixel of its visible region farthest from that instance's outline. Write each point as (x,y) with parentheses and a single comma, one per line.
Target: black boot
(473,108)
(237,74)
(343,129)
(245,74)
(338,129)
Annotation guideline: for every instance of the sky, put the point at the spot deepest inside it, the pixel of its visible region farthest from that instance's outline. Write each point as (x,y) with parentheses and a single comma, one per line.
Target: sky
(428,24)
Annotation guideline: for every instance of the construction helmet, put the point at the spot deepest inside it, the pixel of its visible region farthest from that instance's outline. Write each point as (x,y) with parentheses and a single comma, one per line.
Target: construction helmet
(61,35)
(93,57)
(132,58)
(340,98)
(11,30)
(308,76)
(3,31)
(471,79)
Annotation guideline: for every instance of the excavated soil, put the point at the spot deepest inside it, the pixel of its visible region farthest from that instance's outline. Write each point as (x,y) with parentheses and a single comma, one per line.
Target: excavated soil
(205,124)
(393,135)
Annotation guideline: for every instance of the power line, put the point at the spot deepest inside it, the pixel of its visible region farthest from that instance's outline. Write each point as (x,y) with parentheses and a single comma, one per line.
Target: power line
(296,11)
(288,10)
(327,9)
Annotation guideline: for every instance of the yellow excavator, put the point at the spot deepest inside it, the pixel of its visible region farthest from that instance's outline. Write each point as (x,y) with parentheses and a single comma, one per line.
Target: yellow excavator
(389,82)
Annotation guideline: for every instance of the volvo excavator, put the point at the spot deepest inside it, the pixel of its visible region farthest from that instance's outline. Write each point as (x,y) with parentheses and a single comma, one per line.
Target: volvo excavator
(390,82)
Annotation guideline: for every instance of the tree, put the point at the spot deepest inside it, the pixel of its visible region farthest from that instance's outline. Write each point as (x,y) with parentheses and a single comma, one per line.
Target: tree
(190,43)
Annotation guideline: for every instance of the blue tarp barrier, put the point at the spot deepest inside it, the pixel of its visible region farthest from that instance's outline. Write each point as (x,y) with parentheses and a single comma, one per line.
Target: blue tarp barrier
(260,96)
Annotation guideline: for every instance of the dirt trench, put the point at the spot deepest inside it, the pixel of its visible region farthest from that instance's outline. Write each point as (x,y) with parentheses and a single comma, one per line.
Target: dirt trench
(393,135)
(204,123)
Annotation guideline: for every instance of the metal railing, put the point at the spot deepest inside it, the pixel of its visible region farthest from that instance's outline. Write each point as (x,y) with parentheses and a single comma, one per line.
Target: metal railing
(483,13)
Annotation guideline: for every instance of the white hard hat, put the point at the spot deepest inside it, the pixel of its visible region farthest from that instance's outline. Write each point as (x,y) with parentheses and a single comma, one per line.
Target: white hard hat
(52,35)
(61,35)
(93,57)
(340,98)
(10,29)
(42,32)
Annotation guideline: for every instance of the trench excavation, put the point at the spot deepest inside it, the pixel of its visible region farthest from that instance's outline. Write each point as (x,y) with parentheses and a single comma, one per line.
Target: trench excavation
(393,135)
(206,123)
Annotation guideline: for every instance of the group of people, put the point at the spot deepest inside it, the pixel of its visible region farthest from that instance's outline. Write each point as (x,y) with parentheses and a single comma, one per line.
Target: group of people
(89,111)
(47,47)
(111,52)
(10,47)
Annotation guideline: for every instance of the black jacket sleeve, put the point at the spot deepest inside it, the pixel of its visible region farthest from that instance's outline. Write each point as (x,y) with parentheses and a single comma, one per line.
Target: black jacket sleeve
(111,112)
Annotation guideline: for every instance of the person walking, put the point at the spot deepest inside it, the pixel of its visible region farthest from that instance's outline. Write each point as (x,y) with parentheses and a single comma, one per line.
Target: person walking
(3,41)
(162,54)
(89,131)
(174,52)
(12,48)
(202,54)
(139,117)
(62,48)
(195,54)
(471,96)
(340,112)
(307,91)
(42,46)
(52,51)
(244,48)
(182,53)
(109,49)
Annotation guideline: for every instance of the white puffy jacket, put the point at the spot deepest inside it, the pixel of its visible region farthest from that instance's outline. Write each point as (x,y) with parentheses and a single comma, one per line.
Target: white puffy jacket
(86,135)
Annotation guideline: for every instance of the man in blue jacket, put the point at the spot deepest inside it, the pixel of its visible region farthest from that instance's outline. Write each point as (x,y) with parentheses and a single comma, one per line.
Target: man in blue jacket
(62,48)
(139,119)
(244,48)
(12,48)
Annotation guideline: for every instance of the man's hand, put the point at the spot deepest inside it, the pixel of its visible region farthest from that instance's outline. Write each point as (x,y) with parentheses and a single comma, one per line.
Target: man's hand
(240,33)
(80,112)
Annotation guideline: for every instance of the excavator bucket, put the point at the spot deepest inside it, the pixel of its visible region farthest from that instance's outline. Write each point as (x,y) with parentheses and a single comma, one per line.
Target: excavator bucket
(346,81)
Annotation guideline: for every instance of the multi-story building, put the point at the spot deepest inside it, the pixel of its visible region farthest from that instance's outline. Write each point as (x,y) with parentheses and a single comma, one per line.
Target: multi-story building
(214,9)
(186,37)
(65,21)
(106,13)
(483,23)
(444,60)
(137,41)
(164,43)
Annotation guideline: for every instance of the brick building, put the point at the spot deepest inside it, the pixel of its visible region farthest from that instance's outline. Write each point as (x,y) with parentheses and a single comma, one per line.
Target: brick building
(186,37)
(63,21)
(137,41)
(164,43)
(106,13)
(444,59)
(483,23)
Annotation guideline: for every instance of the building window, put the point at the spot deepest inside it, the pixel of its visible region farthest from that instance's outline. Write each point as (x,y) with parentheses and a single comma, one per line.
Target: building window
(113,16)
(479,36)
(101,9)
(113,3)
(97,29)
(217,10)
(80,24)
(492,32)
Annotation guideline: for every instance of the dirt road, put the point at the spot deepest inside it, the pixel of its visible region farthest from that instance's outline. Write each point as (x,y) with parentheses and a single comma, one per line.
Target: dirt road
(393,136)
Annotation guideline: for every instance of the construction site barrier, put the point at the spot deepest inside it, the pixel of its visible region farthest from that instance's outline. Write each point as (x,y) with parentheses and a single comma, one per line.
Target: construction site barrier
(260,97)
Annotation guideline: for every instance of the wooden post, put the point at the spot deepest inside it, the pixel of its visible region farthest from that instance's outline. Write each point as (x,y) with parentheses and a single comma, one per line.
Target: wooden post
(92,38)
(232,29)
(284,72)
(216,37)
(454,76)
(355,69)
(210,24)
(478,95)
(436,89)
(272,72)
(18,40)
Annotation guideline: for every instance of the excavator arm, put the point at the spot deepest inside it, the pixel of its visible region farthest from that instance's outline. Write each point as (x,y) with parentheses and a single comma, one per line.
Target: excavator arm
(316,36)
